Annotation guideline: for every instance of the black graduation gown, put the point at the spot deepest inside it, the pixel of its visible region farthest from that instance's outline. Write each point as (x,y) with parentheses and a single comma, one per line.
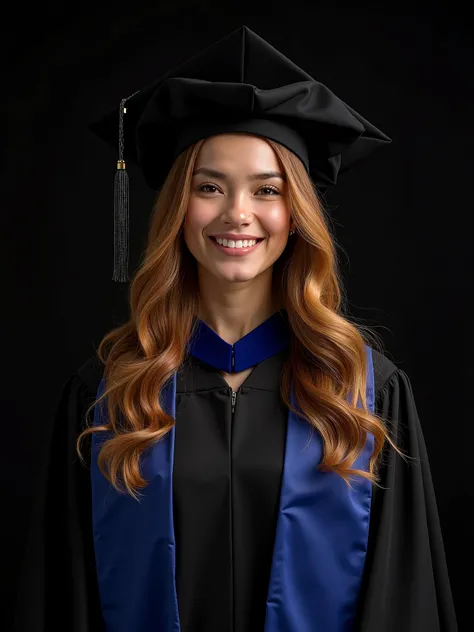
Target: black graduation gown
(224,534)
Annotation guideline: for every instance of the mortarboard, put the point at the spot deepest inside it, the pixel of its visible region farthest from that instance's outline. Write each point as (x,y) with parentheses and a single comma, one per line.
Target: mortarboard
(239,84)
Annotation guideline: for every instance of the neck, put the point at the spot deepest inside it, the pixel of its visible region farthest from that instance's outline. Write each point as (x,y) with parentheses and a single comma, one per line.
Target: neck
(232,310)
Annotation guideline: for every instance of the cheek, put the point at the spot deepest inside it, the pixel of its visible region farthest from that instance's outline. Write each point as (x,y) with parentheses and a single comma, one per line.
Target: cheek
(198,216)
(276,221)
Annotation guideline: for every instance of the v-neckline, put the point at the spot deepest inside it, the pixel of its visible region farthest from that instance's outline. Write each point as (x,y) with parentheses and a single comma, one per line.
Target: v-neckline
(235,390)
(264,341)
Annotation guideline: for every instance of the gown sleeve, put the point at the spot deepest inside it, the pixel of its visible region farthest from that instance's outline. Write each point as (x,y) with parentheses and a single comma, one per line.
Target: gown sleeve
(58,584)
(406,584)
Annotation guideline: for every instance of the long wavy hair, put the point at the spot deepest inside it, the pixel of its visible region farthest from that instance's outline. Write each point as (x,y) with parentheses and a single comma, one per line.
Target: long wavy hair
(326,360)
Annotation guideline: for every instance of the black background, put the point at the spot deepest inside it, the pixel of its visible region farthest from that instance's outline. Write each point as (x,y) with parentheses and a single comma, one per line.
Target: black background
(403,219)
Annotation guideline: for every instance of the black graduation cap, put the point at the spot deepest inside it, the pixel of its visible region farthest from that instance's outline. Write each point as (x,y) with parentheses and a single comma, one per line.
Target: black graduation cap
(240,83)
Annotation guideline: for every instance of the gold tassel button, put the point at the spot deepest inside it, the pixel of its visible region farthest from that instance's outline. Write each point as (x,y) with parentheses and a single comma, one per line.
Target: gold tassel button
(120,164)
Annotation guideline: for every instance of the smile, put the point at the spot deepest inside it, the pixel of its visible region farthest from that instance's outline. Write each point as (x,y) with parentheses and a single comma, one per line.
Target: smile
(235,252)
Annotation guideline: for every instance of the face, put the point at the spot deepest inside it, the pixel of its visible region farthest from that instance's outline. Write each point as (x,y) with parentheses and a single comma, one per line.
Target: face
(227,201)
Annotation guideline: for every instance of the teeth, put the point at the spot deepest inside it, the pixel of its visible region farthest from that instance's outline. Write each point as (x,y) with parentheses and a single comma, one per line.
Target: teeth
(246,243)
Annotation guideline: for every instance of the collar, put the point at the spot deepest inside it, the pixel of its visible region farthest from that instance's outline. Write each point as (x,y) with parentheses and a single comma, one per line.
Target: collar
(266,340)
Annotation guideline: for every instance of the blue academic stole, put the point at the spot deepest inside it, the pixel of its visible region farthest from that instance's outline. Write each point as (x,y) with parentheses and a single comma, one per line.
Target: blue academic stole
(321,536)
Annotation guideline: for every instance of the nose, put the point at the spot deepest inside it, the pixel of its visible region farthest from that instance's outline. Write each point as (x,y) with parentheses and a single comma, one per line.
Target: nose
(237,212)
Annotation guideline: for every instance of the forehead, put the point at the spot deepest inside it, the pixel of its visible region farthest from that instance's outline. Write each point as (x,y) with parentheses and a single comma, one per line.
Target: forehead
(235,151)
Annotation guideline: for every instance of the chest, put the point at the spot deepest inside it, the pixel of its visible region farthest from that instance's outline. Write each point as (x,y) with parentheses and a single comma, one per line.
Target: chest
(217,448)
(235,380)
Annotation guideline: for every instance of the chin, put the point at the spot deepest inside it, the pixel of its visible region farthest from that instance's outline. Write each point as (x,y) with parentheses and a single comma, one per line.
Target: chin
(238,276)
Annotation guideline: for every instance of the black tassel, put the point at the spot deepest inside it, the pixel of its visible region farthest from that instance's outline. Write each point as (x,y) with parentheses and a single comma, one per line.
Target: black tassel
(121,224)
(121,210)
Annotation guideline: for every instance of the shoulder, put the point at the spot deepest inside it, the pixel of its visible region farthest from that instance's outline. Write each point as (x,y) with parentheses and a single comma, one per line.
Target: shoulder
(90,373)
(384,369)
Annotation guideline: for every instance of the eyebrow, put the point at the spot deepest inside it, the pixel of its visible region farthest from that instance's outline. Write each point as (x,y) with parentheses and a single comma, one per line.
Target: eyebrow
(264,175)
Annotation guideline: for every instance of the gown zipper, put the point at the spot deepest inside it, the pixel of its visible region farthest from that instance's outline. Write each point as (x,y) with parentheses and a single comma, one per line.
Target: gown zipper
(234,394)
(232,610)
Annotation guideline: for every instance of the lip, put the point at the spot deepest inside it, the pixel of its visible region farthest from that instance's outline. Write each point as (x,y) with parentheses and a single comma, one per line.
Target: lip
(235,252)
(236,236)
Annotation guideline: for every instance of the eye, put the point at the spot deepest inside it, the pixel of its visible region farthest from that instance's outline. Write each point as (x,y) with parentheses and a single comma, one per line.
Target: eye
(201,188)
(270,188)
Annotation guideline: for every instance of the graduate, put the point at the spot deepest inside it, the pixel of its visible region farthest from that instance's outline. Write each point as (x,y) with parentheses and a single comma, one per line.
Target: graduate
(250,460)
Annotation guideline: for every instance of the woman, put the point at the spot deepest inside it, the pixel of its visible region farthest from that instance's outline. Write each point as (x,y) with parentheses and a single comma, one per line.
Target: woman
(253,463)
